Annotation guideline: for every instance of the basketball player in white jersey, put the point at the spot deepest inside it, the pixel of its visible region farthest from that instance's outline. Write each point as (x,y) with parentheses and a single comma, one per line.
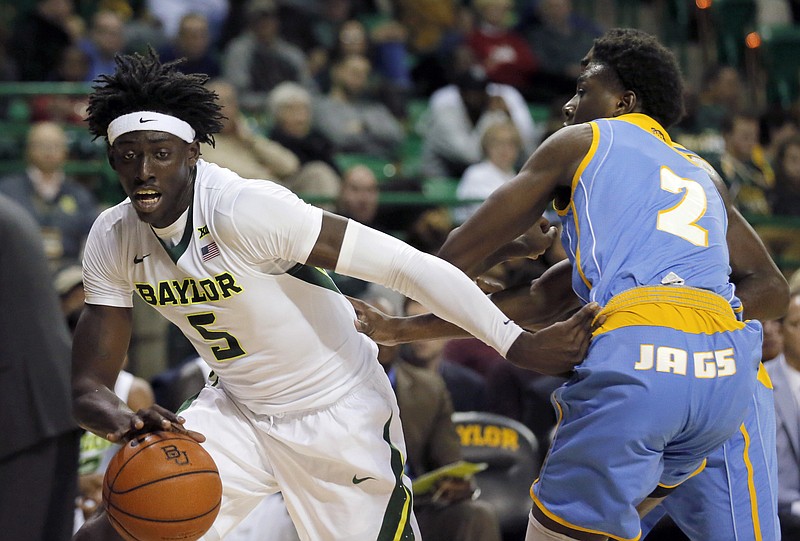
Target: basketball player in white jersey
(301,405)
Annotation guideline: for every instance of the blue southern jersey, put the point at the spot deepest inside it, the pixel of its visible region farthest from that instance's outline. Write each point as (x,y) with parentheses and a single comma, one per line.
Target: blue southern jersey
(641,213)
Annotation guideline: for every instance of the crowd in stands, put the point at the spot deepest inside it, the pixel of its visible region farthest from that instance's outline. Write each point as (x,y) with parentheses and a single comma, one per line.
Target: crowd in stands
(343,101)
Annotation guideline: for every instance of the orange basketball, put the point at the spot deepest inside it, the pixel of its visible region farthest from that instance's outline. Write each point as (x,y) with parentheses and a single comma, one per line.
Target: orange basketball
(162,486)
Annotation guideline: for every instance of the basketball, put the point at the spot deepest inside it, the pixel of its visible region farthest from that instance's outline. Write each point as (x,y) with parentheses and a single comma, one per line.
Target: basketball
(162,486)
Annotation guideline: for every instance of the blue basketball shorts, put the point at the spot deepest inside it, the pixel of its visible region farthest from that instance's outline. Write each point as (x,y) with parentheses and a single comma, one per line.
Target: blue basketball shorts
(736,496)
(667,380)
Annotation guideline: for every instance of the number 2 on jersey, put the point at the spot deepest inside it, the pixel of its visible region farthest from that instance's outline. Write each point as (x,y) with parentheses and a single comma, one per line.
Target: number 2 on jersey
(201,321)
(681,220)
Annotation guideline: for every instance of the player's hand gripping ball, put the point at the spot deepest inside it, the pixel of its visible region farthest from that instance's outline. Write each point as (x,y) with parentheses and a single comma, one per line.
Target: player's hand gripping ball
(162,486)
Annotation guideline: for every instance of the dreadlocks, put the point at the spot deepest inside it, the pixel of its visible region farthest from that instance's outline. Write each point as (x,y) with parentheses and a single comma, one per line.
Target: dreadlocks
(143,83)
(647,68)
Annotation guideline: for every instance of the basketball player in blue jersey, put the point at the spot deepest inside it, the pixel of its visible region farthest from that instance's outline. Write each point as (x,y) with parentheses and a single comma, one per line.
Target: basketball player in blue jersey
(648,235)
(301,405)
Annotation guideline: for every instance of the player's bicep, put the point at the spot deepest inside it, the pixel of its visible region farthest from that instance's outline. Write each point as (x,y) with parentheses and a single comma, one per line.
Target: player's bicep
(326,250)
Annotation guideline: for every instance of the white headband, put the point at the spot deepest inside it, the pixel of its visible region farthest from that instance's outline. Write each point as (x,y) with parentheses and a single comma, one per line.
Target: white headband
(148,120)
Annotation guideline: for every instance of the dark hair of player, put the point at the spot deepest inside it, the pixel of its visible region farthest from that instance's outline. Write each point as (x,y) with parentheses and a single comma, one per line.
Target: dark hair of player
(647,68)
(143,83)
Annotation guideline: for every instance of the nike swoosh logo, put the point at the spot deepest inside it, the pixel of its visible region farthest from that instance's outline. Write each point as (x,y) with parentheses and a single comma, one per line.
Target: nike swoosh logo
(357,480)
(506,322)
(143,120)
(137,259)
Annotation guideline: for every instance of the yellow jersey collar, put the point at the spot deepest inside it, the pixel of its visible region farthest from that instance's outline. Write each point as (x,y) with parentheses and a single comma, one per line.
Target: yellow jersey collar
(648,124)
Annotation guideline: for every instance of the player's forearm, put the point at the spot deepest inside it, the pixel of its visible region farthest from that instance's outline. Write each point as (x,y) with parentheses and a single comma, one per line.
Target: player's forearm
(424,327)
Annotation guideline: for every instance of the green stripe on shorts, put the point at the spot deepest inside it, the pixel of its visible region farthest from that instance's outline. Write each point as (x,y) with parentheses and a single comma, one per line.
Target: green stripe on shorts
(396,524)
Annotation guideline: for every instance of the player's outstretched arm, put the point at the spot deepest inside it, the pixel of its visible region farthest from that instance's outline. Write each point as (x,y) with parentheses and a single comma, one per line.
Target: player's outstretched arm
(548,300)
(98,352)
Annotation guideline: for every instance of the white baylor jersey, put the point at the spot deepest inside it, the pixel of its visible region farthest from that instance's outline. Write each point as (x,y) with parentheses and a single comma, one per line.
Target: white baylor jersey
(278,334)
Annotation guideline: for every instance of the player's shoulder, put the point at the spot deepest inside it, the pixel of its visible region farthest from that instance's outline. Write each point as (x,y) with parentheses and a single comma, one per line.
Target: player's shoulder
(213,180)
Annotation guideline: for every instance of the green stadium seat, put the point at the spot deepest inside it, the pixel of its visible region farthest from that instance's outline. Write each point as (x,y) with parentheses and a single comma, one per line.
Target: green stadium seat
(780,46)
(733,19)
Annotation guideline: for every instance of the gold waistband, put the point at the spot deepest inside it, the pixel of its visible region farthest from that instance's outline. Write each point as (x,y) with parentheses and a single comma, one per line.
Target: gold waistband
(682,308)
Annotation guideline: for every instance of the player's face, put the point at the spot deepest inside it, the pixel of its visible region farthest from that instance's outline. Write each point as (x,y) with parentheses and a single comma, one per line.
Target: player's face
(156,170)
(598,95)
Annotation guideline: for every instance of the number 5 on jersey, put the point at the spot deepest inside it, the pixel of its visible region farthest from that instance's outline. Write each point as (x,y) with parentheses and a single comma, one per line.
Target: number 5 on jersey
(201,322)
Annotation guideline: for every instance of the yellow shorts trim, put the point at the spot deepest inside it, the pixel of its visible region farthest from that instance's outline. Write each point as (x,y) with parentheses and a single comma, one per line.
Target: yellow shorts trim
(685,309)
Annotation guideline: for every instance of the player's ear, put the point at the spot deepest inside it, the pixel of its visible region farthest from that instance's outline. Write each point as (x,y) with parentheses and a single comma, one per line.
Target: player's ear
(193,152)
(627,102)
(110,156)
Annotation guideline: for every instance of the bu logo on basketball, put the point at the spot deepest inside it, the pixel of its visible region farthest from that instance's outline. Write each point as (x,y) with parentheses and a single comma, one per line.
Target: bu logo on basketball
(171,452)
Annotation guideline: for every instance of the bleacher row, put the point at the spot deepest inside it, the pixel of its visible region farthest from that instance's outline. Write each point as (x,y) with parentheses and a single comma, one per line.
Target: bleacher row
(88,163)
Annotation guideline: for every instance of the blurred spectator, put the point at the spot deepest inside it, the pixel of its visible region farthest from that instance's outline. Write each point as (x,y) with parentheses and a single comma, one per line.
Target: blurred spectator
(193,43)
(719,97)
(170,12)
(358,197)
(467,389)
(290,107)
(258,60)
(106,38)
(503,53)
(501,98)
(436,68)
(314,24)
(143,30)
(64,209)
(39,37)
(785,374)
(39,453)
(73,66)
(501,147)
(786,200)
(452,130)
(384,45)
(772,344)
(430,24)
(426,411)
(777,125)
(240,148)
(743,165)
(560,41)
(354,122)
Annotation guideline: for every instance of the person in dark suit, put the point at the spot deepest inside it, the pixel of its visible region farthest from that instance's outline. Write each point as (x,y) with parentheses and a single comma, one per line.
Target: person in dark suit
(785,374)
(39,446)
